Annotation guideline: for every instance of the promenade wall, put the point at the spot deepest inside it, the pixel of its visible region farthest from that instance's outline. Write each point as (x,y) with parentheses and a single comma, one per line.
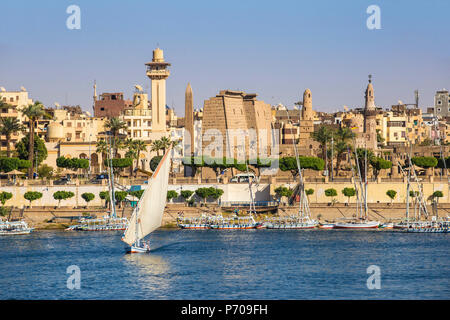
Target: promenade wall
(232,192)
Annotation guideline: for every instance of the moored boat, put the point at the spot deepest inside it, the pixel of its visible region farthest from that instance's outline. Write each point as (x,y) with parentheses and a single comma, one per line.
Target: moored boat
(357,225)
(14,227)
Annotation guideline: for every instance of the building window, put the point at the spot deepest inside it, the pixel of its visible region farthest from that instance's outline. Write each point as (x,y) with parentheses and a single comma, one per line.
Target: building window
(69,124)
(102,109)
(439,102)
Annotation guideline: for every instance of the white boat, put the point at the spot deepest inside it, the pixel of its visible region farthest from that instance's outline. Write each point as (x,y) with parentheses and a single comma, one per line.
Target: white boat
(357,225)
(326,226)
(148,213)
(14,227)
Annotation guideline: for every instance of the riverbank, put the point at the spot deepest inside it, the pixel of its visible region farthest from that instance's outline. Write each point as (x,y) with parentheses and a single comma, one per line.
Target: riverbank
(51,218)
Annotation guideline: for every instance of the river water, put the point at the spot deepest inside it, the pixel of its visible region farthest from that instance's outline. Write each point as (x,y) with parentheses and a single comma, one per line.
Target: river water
(221,264)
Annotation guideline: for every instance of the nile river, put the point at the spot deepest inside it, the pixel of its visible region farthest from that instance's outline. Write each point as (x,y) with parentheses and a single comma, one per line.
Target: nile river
(239,264)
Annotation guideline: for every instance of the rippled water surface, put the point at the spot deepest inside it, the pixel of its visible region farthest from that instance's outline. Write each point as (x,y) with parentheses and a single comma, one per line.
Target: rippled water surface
(213,264)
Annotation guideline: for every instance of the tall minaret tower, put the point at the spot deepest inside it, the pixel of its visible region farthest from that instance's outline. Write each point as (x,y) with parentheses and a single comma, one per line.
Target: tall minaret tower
(370,123)
(158,73)
(189,118)
(307,119)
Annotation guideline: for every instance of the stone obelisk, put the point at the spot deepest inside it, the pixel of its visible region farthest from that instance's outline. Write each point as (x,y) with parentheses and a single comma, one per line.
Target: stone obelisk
(189,118)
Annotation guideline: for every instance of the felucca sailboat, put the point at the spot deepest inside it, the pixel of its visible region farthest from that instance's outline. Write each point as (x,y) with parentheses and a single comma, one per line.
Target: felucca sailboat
(147,216)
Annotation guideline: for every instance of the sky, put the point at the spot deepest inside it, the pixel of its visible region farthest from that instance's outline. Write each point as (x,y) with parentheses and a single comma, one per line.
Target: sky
(276,49)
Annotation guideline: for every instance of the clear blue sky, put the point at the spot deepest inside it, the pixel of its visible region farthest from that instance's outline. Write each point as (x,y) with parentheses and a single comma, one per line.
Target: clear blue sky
(276,49)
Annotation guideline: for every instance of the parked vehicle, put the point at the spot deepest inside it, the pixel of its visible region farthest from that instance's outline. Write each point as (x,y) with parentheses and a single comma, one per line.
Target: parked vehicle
(243,177)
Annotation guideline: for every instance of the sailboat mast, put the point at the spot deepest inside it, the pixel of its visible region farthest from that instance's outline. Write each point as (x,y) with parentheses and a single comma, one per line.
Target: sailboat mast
(365,185)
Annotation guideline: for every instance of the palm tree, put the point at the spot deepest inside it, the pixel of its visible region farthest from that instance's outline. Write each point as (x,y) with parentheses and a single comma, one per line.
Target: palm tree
(33,112)
(8,127)
(343,136)
(165,144)
(323,135)
(139,146)
(115,125)
(157,146)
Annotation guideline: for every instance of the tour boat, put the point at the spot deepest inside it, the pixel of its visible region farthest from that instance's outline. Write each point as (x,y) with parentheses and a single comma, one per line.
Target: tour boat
(148,213)
(235,223)
(105,223)
(14,227)
(194,223)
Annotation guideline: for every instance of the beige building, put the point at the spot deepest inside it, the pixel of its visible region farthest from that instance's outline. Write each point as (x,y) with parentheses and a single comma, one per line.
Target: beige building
(229,113)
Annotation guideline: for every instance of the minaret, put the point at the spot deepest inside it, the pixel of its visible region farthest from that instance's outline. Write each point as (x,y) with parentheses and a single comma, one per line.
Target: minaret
(307,112)
(189,118)
(370,122)
(158,73)
(95,95)
(307,119)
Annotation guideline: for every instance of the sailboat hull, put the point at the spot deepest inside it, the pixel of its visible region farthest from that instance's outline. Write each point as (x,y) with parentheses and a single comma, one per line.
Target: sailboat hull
(357,226)
(134,249)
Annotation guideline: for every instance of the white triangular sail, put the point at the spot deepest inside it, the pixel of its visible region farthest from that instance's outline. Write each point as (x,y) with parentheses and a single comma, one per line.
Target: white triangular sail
(148,214)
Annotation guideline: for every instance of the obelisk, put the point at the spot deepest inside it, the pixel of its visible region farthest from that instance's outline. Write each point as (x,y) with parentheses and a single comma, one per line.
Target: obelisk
(189,118)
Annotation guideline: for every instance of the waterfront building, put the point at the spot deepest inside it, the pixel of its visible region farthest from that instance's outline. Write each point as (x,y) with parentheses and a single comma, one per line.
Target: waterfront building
(110,104)
(17,100)
(442,103)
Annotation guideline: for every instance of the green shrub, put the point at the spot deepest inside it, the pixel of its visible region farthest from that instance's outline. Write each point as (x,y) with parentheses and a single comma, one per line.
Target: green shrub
(5,196)
(32,195)
(425,162)
(171,194)
(88,197)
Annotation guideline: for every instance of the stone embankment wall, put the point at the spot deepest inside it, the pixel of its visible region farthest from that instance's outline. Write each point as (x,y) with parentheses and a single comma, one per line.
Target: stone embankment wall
(232,192)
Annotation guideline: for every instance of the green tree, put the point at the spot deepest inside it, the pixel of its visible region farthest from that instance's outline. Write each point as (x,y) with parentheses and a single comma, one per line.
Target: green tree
(5,196)
(88,197)
(8,127)
(349,192)
(204,193)
(120,196)
(436,195)
(62,195)
(23,151)
(72,163)
(322,135)
(171,194)
(283,192)
(309,192)
(115,125)
(425,162)
(104,195)
(136,193)
(361,154)
(32,195)
(156,146)
(33,112)
(154,162)
(391,194)
(331,193)
(290,164)
(45,171)
(379,164)
(186,194)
